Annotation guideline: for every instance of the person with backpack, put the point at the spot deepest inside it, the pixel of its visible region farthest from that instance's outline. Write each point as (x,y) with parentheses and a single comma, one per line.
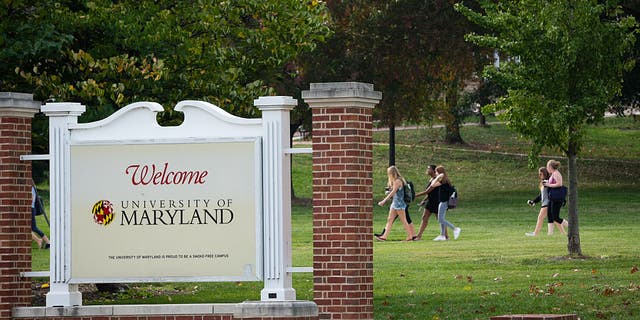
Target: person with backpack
(430,202)
(396,184)
(444,193)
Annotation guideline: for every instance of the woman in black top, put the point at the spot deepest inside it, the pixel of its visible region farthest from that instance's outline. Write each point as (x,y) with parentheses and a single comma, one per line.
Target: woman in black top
(446,189)
(430,202)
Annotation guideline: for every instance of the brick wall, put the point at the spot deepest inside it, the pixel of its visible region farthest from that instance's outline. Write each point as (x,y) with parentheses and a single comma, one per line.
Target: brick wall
(15,206)
(343,212)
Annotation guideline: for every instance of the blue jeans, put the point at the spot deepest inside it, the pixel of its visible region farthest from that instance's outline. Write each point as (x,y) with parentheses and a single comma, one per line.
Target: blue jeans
(34,227)
(442,213)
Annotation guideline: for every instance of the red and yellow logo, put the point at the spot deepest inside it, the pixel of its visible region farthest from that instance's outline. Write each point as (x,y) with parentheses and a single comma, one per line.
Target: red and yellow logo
(102,212)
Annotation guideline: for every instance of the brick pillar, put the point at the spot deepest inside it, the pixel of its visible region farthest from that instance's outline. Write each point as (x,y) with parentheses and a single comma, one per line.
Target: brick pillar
(342,198)
(16,113)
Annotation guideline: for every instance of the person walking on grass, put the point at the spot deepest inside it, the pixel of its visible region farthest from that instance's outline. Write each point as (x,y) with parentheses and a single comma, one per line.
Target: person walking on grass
(36,234)
(555,181)
(430,202)
(395,183)
(543,198)
(445,191)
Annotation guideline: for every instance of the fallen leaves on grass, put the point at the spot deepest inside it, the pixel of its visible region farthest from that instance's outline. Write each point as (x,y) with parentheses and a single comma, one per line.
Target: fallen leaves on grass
(605,290)
(608,290)
(460,277)
(549,289)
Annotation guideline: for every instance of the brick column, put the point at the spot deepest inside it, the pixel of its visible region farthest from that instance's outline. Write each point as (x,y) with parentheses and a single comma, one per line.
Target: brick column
(342,198)
(16,113)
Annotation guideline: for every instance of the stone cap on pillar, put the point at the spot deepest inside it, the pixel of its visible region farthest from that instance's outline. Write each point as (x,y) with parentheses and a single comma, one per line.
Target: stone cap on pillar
(18,104)
(341,94)
(275,103)
(63,109)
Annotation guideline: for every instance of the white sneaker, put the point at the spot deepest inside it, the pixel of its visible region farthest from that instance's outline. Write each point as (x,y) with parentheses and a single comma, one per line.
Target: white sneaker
(440,238)
(456,233)
(530,234)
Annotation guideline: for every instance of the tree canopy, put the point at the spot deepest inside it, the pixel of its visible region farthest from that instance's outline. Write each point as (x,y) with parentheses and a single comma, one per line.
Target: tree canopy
(109,53)
(566,62)
(412,50)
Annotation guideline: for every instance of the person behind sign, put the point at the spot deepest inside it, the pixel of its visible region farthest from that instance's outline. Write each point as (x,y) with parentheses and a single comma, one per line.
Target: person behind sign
(445,191)
(555,181)
(396,192)
(430,202)
(543,198)
(36,234)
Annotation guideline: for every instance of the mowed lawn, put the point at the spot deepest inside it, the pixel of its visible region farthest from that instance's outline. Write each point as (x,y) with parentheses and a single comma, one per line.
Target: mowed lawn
(492,268)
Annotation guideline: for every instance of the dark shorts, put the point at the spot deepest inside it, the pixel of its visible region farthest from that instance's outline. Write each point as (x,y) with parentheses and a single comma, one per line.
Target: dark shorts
(432,207)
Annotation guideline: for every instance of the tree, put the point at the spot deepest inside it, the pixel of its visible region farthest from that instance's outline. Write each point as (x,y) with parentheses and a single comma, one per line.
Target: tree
(106,54)
(111,53)
(486,93)
(411,50)
(629,100)
(566,64)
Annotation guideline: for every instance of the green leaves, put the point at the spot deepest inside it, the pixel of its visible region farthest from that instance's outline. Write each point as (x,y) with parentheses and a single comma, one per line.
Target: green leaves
(564,63)
(106,53)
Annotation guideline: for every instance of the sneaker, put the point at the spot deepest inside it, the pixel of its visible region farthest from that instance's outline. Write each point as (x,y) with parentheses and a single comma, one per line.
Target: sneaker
(456,233)
(440,238)
(530,234)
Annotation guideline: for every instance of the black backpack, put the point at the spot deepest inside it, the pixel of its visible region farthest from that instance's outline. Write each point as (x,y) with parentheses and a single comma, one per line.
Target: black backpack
(409,192)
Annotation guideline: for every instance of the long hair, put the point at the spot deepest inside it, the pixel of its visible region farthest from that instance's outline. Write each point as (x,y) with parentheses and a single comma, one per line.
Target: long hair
(545,175)
(445,176)
(392,174)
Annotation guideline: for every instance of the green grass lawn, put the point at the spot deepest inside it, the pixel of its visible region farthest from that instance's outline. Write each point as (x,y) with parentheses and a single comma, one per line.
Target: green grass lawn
(492,268)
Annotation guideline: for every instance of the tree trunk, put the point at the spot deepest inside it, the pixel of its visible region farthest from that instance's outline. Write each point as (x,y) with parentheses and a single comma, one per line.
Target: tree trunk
(392,145)
(574,232)
(452,123)
(483,120)
(452,133)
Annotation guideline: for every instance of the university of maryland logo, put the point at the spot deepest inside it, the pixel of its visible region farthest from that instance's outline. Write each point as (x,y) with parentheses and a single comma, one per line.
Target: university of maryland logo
(102,212)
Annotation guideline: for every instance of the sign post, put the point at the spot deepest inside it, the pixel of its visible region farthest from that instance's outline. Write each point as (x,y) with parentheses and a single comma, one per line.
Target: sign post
(61,117)
(277,198)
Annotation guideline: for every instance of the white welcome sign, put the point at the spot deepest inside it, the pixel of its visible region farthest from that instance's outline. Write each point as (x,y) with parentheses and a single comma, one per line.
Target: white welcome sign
(208,200)
(166,211)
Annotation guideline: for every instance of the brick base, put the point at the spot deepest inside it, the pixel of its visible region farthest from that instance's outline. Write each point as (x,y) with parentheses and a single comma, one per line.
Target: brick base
(251,310)
(169,317)
(536,317)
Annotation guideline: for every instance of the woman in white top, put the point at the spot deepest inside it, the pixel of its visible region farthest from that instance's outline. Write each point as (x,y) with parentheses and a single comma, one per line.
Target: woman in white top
(543,198)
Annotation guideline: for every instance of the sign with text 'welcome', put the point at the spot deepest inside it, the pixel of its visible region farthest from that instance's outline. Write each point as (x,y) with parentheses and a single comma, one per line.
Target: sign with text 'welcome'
(166,211)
